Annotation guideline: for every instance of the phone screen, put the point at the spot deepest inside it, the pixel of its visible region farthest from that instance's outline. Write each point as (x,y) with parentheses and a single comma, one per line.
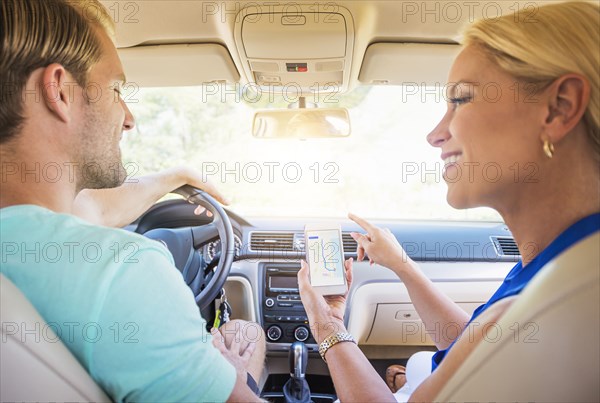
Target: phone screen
(325,257)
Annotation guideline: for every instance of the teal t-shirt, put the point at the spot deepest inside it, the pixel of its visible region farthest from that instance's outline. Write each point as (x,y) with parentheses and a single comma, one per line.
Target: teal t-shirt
(117,302)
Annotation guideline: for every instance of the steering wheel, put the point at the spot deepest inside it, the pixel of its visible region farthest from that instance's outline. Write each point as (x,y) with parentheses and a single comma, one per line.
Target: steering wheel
(184,244)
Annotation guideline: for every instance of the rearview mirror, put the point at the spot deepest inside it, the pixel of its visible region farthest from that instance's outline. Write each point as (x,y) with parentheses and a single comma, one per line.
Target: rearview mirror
(301,123)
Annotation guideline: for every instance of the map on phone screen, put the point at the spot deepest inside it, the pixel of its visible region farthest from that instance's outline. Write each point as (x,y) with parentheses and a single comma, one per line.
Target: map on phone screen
(325,257)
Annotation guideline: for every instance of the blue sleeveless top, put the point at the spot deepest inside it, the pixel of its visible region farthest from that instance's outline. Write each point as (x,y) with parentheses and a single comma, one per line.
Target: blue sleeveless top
(520,276)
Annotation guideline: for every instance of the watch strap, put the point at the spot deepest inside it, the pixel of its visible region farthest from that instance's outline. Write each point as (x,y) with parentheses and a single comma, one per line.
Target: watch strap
(332,341)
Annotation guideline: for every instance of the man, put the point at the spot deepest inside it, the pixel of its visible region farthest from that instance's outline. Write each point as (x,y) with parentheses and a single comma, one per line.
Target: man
(114,297)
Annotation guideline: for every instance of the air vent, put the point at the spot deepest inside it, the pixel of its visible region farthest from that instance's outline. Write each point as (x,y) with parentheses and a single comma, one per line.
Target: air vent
(299,241)
(349,243)
(506,246)
(272,241)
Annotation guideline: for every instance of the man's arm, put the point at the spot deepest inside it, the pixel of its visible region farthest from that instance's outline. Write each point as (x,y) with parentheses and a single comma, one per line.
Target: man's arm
(245,355)
(242,392)
(122,205)
(154,345)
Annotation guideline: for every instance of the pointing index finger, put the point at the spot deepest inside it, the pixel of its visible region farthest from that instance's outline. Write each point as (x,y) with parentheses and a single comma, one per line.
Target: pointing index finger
(362,222)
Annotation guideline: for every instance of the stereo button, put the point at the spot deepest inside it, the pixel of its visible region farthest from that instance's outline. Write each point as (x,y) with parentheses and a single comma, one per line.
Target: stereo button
(301,333)
(269,302)
(274,333)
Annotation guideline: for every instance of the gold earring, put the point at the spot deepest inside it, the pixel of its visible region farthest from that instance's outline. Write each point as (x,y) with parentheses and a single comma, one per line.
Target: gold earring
(548,149)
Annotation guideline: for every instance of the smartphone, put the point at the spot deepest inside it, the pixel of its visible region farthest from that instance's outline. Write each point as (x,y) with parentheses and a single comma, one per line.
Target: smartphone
(325,258)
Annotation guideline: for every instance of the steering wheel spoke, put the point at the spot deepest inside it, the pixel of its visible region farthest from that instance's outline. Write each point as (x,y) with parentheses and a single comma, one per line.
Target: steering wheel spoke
(204,234)
(184,244)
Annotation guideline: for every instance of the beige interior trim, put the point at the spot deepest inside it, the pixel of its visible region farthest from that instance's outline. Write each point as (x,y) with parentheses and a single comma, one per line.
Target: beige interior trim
(35,364)
(382,313)
(240,297)
(392,352)
(178,65)
(172,22)
(407,63)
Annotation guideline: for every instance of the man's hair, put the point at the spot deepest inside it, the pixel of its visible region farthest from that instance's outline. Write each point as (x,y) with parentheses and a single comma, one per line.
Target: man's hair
(37,33)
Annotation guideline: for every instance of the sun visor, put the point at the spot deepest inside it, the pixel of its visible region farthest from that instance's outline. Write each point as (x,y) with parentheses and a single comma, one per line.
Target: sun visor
(407,63)
(178,65)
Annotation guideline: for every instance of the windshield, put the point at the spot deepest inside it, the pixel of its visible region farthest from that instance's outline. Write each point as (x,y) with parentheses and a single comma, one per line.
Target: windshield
(384,169)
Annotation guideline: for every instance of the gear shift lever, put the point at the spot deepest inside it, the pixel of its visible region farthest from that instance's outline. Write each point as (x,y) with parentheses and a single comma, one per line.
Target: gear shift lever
(298,360)
(296,389)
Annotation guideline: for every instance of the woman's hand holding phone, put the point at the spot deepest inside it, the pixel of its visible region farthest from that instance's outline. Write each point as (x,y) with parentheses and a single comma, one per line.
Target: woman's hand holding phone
(325,313)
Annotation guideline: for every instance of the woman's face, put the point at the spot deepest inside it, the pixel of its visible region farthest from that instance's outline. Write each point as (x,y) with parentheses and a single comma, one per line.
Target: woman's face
(490,136)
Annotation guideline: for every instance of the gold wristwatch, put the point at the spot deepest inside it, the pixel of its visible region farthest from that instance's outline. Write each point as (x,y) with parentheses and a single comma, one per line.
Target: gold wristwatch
(332,341)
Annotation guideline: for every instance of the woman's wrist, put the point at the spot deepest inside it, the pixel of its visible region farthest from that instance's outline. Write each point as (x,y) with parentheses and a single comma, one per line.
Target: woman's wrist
(333,341)
(403,266)
(326,327)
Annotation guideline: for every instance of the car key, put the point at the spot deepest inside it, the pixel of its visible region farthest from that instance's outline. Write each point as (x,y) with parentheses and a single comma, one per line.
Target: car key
(223,313)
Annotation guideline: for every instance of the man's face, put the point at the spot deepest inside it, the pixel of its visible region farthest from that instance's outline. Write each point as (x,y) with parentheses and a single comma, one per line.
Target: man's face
(104,118)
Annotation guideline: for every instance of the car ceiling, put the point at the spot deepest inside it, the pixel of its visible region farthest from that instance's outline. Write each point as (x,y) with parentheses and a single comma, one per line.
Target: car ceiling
(142,23)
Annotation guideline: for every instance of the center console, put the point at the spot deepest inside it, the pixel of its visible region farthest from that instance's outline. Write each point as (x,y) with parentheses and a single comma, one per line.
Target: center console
(284,321)
(284,317)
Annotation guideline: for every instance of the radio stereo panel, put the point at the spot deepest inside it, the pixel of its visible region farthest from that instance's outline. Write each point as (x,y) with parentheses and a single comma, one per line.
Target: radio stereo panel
(284,317)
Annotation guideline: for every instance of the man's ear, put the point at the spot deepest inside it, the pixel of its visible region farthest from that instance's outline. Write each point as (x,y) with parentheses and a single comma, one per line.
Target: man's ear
(58,91)
(568,100)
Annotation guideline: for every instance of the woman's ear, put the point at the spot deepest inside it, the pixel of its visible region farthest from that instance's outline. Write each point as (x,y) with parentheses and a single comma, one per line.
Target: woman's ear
(58,91)
(568,100)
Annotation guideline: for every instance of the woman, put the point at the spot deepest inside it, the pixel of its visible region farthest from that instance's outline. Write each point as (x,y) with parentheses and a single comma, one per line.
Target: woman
(544,113)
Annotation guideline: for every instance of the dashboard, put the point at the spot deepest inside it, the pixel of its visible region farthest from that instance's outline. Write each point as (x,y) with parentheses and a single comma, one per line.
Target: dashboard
(466,260)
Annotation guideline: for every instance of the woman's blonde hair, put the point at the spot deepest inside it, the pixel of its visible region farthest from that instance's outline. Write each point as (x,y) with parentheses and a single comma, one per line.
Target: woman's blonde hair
(538,47)
(37,33)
